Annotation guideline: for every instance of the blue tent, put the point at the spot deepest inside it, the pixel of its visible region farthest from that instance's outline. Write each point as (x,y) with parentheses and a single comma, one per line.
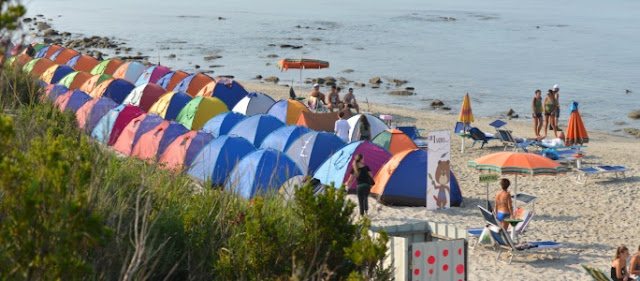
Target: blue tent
(76,100)
(178,101)
(337,168)
(261,172)
(165,79)
(197,143)
(283,137)
(152,75)
(56,91)
(102,107)
(102,130)
(60,72)
(313,148)
(218,158)
(222,123)
(256,128)
(148,123)
(403,181)
(118,90)
(170,134)
(228,91)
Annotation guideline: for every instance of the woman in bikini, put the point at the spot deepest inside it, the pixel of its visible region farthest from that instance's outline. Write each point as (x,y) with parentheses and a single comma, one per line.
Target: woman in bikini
(619,265)
(503,207)
(550,107)
(536,107)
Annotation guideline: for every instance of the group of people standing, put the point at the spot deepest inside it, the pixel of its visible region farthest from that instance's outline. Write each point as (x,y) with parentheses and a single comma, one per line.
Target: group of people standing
(549,108)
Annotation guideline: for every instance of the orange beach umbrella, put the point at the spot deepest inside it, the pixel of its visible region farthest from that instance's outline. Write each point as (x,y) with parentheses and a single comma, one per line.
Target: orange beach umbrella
(576,133)
(301,64)
(518,164)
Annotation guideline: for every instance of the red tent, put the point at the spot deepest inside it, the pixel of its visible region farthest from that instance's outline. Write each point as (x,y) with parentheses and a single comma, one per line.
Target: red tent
(126,115)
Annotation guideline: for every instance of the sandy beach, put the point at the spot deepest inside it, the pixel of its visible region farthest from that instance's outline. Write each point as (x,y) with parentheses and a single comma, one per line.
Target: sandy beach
(591,220)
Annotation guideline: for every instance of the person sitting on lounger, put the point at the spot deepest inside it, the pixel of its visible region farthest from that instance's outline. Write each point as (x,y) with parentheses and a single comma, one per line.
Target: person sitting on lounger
(317,94)
(350,101)
(503,207)
(334,98)
(619,265)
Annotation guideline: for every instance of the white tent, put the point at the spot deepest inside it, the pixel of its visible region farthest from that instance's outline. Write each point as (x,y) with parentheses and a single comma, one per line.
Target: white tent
(136,94)
(254,103)
(377,126)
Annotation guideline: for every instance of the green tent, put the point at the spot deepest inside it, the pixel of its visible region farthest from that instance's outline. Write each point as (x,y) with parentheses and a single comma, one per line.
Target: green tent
(199,110)
(38,47)
(29,66)
(66,81)
(100,68)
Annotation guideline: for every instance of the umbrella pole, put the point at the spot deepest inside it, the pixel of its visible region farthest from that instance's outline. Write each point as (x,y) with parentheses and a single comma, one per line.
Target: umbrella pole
(515,195)
(488,198)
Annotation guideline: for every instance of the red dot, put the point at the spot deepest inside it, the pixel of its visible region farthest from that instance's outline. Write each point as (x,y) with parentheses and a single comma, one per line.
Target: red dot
(418,253)
(459,279)
(445,267)
(445,252)
(431,260)
(460,251)
(416,271)
(460,269)
(430,271)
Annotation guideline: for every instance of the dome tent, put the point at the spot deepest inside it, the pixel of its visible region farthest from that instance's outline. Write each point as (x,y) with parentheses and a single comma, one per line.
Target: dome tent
(217,159)
(312,149)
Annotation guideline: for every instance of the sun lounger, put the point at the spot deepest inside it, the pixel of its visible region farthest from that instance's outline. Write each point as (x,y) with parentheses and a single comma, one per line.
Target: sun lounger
(508,140)
(506,245)
(596,273)
(598,170)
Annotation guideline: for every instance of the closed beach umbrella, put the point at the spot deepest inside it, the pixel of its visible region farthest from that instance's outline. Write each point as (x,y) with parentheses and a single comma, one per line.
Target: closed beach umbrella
(466,115)
(576,133)
(518,164)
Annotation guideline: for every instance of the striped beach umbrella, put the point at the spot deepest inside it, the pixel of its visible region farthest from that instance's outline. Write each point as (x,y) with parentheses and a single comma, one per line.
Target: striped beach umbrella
(518,164)
(576,133)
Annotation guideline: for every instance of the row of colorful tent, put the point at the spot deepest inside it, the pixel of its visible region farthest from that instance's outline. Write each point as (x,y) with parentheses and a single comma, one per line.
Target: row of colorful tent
(245,149)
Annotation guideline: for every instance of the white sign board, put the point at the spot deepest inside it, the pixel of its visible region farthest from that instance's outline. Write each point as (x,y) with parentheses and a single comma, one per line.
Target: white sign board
(438,170)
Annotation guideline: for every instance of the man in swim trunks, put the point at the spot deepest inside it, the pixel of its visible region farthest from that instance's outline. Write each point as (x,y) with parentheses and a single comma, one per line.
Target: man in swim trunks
(350,101)
(334,98)
(503,207)
(556,96)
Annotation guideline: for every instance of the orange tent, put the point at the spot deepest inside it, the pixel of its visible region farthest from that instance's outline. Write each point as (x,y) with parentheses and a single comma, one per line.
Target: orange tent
(65,55)
(175,79)
(52,50)
(181,152)
(199,82)
(147,145)
(124,142)
(319,121)
(90,84)
(85,63)
(41,66)
(394,141)
(206,90)
(79,80)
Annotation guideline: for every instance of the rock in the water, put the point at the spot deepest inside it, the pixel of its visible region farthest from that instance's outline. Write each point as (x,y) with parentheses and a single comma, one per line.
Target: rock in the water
(272,45)
(398,82)
(375,80)
(444,108)
(400,93)
(172,56)
(632,131)
(318,80)
(329,83)
(215,65)
(47,40)
(315,39)
(272,79)
(634,114)
(208,58)
(619,123)
(437,103)
(347,70)
(359,84)
(197,66)
(272,56)
(221,18)
(409,88)
(66,34)
(375,86)
(329,79)
(42,26)
(258,77)
(510,112)
(27,20)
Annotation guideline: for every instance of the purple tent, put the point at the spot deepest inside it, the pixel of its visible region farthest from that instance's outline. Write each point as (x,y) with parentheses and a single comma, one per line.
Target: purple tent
(101,108)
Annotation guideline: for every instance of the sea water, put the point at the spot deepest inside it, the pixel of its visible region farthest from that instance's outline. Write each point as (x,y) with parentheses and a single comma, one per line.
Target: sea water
(497,50)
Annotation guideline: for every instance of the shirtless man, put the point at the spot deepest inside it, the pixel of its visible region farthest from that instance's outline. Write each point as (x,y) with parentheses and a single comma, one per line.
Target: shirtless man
(317,94)
(334,98)
(350,101)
